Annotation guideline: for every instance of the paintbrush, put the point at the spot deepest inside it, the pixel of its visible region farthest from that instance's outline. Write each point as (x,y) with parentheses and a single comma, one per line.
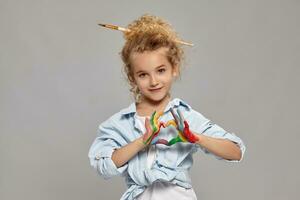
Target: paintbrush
(114,27)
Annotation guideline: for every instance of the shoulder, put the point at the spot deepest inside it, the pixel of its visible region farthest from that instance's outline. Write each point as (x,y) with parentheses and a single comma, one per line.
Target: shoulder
(119,119)
(188,111)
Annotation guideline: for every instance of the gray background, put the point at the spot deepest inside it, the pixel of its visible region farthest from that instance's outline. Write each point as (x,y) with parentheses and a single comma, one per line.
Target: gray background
(61,77)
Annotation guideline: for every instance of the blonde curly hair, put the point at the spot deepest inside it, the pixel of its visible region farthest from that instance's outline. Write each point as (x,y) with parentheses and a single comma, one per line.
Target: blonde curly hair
(149,33)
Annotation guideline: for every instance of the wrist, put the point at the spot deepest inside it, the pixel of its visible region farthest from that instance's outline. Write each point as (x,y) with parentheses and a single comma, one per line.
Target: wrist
(200,139)
(140,143)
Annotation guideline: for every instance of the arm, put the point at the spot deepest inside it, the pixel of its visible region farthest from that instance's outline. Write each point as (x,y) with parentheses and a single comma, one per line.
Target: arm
(108,141)
(125,153)
(213,139)
(221,147)
(122,155)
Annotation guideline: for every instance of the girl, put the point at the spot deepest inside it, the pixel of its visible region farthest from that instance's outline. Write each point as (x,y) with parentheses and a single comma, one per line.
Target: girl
(142,142)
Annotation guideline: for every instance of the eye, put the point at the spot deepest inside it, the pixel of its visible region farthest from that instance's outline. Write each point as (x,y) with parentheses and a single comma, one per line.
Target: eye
(142,75)
(162,70)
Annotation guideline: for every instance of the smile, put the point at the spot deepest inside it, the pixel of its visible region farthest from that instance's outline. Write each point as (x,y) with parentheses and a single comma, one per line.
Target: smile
(154,90)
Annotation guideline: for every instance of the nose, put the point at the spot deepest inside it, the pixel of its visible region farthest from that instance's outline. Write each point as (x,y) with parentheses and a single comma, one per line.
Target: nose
(153,81)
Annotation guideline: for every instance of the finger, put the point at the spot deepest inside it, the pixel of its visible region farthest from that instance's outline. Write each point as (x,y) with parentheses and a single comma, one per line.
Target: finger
(147,134)
(162,141)
(174,116)
(175,140)
(154,141)
(180,115)
(170,122)
(180,124)
(186,125)
(157,125)
(152,119)
(147,125)
(158,115)
(161,124)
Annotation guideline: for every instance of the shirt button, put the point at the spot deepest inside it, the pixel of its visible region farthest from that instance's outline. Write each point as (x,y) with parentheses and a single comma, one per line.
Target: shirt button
(97,157)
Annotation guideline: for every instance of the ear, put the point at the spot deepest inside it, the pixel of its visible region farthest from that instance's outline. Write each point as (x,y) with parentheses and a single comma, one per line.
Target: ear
(132,80)
(175,70)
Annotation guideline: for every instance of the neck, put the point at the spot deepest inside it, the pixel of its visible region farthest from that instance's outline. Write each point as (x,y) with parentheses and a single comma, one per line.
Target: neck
(146,107)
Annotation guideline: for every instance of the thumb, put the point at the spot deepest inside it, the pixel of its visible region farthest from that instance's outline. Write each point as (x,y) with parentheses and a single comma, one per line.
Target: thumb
(147,125)
(186,125)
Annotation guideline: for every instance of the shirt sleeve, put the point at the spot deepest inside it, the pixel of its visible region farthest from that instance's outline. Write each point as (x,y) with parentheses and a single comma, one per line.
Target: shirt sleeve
(202,125)
(108,139)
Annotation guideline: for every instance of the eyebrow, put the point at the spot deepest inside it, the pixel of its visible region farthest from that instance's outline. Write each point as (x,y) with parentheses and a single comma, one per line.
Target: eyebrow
(162,65)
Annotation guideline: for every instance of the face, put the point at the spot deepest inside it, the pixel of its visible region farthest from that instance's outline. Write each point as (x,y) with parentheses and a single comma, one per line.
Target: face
(153,74)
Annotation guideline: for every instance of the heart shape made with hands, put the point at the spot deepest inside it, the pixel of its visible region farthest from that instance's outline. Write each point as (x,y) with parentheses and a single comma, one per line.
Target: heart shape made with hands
(182,126)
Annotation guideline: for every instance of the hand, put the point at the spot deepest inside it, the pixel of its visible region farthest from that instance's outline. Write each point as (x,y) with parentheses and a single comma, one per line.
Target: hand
(152,129)
(183,127)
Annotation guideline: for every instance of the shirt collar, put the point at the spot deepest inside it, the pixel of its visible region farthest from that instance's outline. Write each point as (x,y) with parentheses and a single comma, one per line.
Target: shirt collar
(173,103)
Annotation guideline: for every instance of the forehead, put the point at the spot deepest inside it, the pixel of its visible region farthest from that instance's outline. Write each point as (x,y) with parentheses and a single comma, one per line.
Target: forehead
(149,59)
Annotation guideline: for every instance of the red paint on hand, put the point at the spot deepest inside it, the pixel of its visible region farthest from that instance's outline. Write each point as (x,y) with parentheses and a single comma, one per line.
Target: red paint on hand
(188,134)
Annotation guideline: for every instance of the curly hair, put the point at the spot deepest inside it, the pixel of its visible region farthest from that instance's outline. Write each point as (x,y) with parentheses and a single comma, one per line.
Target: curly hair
(149,33)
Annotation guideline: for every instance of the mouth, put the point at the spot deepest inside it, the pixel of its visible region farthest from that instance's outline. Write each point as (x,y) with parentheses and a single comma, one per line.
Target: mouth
(155,90)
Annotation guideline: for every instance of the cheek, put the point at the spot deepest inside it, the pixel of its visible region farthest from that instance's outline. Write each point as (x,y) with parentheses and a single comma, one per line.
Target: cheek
(168,80)
(141,83)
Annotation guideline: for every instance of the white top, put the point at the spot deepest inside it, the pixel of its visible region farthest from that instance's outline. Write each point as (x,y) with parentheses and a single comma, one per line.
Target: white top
(162,190)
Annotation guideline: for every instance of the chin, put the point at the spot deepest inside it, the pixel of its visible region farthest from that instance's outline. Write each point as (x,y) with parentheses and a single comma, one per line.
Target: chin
(156,98)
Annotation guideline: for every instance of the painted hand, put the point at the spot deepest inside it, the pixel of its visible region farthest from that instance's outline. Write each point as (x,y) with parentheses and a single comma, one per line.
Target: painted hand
(183,127)
(152,129)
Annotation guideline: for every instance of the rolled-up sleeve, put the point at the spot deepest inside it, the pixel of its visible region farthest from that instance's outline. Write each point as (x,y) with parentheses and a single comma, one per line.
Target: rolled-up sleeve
(108,139)
(207,127)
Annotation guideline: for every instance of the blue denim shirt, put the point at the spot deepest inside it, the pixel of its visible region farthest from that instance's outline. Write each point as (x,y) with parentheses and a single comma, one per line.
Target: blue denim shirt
(172,163)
